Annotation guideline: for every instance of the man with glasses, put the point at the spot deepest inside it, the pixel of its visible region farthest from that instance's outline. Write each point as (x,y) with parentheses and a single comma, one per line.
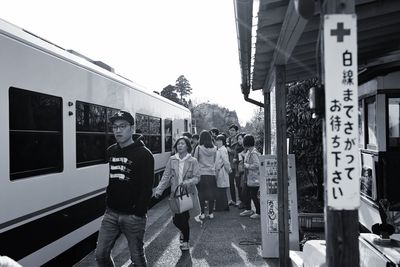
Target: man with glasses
(128,193)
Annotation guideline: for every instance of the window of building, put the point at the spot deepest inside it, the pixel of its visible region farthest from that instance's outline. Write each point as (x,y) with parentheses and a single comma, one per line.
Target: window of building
(394,121)
(371,123)
(36,145)
(150,128)
(168,135)
(93,133)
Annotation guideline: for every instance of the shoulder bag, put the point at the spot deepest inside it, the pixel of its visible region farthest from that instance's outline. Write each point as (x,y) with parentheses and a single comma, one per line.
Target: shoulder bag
(181,201)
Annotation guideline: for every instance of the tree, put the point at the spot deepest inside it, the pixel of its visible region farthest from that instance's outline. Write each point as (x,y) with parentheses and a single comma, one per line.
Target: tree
(183,87)
(209,116)
(170,93)
(306,135)
(255,127)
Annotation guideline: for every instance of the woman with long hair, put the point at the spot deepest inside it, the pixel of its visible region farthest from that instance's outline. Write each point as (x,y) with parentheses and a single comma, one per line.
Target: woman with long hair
(222,171)
(182,169)
(238,158)
(205,154)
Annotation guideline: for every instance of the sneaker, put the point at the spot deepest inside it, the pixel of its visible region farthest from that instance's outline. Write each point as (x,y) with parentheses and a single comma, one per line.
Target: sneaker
(184,246)
(246,213)
(197,219)
(211,216)
(238,203)
(255,216)
(202,216)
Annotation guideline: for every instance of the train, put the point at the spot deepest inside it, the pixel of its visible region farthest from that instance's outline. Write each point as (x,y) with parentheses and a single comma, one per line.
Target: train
(54,130)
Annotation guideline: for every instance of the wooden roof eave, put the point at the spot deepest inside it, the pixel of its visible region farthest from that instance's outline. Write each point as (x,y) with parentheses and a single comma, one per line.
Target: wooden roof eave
(292,28)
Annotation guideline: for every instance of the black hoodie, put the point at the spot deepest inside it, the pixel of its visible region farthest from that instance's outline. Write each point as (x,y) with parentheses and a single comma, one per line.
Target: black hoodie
(131,177)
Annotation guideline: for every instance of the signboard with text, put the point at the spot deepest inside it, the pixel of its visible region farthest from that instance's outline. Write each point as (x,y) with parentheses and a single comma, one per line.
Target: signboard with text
(341,111)
(269,206)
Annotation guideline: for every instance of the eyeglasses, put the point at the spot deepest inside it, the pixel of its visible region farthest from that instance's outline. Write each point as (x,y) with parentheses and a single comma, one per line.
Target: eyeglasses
(121,127)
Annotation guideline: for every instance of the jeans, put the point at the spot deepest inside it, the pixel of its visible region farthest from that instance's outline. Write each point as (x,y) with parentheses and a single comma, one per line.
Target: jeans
(234,180)
(112,225)
(181,221)
(253,191)
(246,197)
(207,188)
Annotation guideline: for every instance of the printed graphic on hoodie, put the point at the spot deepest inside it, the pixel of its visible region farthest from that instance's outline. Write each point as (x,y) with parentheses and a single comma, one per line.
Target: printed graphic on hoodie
(121,168)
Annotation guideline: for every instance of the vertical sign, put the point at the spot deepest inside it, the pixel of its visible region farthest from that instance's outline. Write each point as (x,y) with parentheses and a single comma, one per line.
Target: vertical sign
(269,206)
(341,111)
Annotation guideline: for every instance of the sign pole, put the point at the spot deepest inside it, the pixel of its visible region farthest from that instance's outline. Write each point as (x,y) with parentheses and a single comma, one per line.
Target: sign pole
(282,165)
(341,156)
(267,123)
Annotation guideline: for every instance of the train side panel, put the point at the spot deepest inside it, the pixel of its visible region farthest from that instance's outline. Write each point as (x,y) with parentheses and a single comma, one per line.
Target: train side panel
(31,203)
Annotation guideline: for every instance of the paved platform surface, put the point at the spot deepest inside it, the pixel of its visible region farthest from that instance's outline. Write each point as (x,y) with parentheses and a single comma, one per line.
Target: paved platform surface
(226,240)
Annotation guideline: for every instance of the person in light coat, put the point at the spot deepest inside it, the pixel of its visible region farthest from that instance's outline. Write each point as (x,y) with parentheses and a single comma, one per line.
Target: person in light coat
(252,175)
(222,171)
(182,169)
(205,154)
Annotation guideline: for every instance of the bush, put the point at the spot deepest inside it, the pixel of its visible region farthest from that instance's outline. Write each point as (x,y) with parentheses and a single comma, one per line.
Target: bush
(305,134)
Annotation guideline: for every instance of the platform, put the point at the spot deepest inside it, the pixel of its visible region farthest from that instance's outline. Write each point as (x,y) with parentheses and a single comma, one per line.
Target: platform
(226,240)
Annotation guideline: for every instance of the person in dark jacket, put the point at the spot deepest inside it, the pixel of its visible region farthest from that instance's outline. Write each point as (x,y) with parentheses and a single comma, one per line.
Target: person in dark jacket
(195,142)
(128,193)
(234,182)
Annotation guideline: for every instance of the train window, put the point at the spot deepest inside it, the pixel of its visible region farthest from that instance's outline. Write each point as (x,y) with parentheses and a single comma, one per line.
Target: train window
(90,118)
(361,124)
(150,127)
(142,124)
(394,121)
(186,125)
(93,133)
(371,123)
(35,133)
(168,135)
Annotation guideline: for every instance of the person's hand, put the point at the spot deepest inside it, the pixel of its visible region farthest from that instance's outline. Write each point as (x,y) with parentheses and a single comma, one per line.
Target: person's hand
(246,165)
(185,183)
(157,195)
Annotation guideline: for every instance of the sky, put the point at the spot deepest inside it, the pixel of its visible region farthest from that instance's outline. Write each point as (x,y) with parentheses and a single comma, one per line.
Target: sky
(151,42)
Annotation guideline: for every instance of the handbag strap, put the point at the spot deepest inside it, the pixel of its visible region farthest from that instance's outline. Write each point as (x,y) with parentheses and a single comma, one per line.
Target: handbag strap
(180,191)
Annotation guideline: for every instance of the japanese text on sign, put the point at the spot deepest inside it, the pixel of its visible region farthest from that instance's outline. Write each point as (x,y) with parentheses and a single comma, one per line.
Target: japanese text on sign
(341,111)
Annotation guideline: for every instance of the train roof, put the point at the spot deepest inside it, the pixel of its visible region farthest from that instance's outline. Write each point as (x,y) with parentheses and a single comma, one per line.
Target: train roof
(10,30)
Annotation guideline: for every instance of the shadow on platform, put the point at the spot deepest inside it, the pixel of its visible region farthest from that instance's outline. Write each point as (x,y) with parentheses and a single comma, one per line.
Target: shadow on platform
(226,240)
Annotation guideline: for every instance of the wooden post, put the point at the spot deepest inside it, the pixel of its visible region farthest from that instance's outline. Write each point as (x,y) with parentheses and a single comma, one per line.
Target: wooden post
(282,165)
(267,123)
(341,226)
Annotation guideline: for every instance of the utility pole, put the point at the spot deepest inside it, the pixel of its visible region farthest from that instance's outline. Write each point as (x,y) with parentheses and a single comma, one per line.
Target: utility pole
(267,123)
(282,165)
(340,175)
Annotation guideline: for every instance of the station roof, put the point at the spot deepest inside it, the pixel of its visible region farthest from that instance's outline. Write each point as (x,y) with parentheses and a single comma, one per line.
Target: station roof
(278,35)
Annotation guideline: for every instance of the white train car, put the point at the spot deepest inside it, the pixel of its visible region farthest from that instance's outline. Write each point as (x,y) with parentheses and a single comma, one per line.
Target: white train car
(54,109)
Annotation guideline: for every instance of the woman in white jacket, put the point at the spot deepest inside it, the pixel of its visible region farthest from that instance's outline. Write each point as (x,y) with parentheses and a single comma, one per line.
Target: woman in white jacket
(222,170)
(181,169)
